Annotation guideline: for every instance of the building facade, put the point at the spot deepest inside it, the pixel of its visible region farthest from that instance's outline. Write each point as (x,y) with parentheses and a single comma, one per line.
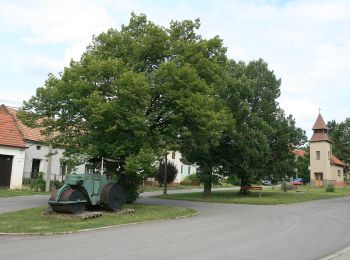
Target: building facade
(183,169)
(23,153)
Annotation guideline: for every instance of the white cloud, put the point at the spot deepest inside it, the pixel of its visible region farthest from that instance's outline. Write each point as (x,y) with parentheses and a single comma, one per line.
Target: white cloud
(305,42)
(55,22)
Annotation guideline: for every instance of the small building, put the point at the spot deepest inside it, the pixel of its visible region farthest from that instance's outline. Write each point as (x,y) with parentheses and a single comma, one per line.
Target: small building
(324,166)
(23,152)
(183,169)
(12,152)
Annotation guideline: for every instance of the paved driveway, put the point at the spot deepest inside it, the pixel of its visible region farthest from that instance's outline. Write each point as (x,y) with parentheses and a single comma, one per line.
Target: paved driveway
(307,230)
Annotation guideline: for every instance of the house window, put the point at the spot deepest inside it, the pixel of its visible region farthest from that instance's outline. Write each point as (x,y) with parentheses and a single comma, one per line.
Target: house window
(318,155)
(38,147)
(182,169)
(189,169)
(339,173)
(173,155)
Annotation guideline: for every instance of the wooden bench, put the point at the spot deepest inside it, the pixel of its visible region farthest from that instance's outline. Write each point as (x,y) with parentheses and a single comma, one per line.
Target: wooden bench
(249,188)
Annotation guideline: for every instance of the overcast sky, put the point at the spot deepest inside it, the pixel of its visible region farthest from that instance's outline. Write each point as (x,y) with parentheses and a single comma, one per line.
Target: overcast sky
(306,43)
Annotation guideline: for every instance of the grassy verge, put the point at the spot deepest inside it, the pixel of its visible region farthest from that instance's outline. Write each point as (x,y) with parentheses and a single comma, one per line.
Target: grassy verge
(31,220)
(268,196)
(13,193)
(183,187)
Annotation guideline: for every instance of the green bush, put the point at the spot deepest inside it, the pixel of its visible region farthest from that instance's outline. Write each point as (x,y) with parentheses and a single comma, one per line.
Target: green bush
(38,184)
(329,187)
(191,179)
(234,180)
(171,172)
(56,184)
(27,182)
(132,184)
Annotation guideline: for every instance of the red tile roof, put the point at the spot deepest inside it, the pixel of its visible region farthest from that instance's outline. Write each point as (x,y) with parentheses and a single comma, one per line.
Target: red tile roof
(335,160)
(318,137)
(319,124)
(32,134)
(10,134)
(298,152)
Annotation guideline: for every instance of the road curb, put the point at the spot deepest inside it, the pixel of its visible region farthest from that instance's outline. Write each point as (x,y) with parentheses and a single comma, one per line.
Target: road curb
(336,254)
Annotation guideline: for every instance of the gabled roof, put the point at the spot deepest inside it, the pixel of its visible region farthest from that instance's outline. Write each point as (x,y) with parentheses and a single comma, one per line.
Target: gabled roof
(319,124)
(298,152)
(32,134)
(10,134)
(335,160)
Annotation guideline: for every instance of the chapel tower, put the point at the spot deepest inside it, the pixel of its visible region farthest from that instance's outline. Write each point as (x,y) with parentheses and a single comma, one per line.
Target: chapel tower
(320,153)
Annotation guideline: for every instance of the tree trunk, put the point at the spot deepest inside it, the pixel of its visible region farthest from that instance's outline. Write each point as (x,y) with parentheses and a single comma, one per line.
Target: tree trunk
(244,183)
(207,189)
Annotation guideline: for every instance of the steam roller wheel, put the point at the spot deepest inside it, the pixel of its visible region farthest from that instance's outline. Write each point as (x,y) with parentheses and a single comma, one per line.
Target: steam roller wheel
(74,197)
(113,196)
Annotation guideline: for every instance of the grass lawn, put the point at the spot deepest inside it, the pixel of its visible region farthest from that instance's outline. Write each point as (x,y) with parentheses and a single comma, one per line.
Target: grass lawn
(177,187)
(183,187)
(31,220)
(13,193)
(268,196)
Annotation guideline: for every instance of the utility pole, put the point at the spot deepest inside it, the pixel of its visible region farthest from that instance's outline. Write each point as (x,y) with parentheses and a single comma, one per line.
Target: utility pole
(165,174)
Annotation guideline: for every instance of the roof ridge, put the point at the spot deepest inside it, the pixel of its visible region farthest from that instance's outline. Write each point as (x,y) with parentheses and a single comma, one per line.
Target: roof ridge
(16,124)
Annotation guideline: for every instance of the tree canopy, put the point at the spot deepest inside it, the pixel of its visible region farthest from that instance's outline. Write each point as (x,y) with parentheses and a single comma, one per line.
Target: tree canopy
(143,90)
(340,135)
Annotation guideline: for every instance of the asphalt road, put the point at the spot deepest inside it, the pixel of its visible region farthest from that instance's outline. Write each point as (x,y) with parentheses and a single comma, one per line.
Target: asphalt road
(309,230)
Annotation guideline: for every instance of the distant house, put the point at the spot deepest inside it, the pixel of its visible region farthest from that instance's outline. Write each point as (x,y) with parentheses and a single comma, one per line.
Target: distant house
(23,153)
(324,166)
(183,169)
(298,153)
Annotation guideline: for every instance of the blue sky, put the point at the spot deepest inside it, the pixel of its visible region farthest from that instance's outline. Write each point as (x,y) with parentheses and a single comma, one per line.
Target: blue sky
(306,43)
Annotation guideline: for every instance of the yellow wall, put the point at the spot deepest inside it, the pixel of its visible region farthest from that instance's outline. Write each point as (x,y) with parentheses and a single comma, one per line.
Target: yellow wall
(334,170)
(323,165)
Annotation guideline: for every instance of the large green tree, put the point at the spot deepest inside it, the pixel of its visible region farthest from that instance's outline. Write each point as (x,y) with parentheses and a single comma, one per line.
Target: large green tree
(340,135)
(261,144)
(136,93)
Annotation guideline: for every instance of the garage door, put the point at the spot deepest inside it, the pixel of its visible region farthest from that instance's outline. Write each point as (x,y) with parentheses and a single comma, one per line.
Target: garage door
(5,170)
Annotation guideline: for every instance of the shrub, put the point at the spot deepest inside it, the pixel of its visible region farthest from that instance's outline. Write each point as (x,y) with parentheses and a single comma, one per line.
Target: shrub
(131,183)
(234,180)
(192,177)
(329,187)
(56,184)
(171,172)
(38,184)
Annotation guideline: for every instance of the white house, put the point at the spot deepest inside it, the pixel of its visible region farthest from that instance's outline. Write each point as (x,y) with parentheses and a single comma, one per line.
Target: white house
(12,152)
(183,169)
(23,148)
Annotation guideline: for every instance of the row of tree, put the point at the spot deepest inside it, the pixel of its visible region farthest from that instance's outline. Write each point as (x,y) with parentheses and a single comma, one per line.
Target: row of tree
(340,135)
(143,90)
